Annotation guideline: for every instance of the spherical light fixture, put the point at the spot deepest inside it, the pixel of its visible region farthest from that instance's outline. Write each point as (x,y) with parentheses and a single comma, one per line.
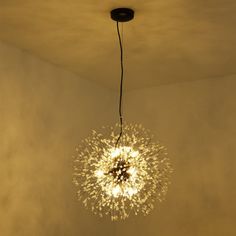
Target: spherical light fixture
(121,171)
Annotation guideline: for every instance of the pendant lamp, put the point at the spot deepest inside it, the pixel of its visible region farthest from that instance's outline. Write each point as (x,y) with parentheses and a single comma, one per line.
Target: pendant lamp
(121,171)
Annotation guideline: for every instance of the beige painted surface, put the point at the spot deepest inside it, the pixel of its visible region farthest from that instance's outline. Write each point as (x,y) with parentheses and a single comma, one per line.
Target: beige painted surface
(44,113)
(169,40)
(196,121)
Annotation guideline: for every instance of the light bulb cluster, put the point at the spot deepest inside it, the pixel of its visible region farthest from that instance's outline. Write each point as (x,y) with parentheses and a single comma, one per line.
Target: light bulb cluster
(119,172)
(118,180)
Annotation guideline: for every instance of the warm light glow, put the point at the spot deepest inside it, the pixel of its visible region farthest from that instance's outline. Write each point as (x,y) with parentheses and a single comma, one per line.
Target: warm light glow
(132,171)
(114,152)
(99,173)
(120,177)
(118,181)
(116,191)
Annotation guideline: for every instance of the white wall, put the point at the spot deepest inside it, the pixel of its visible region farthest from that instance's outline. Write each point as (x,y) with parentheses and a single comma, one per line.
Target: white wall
(196,122)
(44,113)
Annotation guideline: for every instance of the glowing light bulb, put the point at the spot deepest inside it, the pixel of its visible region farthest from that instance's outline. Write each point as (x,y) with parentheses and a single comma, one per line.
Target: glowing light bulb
(115,152)
(134,153)
(116,191)
(132,171)
(99,173)
(131,191)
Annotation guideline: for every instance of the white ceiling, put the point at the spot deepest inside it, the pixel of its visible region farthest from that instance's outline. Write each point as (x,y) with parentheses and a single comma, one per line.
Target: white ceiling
(169,41)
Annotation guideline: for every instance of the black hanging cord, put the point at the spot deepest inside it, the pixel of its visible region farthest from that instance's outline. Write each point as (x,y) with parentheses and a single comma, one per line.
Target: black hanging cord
(121,83)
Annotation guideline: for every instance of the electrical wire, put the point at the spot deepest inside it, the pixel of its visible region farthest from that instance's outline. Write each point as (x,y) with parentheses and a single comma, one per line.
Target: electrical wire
(121,83)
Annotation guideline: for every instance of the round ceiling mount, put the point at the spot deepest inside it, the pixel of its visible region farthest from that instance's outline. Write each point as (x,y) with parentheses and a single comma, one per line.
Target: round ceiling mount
(122,14)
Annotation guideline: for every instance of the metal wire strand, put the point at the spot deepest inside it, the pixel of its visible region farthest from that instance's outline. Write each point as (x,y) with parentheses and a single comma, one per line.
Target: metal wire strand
(121,83)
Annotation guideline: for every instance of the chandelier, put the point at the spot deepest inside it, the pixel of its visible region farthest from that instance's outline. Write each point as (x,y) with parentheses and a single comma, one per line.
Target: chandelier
(121,171)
